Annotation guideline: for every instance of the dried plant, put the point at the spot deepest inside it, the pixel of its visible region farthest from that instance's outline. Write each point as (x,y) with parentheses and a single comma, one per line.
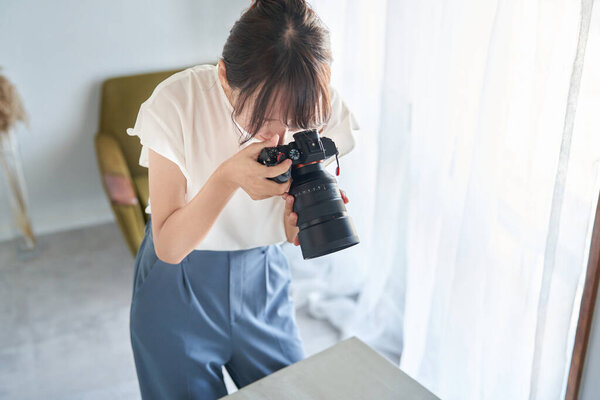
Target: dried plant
(12,111)
(11,106)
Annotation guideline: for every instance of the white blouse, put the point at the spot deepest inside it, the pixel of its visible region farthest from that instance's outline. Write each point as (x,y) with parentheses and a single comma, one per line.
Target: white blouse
(187,119)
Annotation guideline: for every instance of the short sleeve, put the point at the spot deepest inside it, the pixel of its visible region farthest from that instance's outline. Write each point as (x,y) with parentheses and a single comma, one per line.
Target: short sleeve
(341,127)
(159,126)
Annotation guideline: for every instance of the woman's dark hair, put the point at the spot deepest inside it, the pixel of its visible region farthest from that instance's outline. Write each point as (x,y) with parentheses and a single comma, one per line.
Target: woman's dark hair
(279,51)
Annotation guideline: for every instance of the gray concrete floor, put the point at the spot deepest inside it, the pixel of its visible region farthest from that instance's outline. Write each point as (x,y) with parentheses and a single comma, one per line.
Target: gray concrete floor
(64,319)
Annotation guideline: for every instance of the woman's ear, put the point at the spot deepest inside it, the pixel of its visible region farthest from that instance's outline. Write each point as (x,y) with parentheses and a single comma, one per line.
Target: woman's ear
(223,78)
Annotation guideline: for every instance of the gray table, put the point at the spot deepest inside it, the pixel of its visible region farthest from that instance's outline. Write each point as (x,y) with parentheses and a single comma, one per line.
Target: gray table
(349,370)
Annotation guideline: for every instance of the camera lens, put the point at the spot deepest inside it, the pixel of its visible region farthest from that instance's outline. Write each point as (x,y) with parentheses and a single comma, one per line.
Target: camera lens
(323,222)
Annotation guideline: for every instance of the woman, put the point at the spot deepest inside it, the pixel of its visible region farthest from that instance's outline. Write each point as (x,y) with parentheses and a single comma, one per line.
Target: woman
(211,283)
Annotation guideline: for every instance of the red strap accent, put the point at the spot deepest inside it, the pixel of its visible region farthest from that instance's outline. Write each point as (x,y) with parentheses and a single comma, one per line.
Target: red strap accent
(312,162)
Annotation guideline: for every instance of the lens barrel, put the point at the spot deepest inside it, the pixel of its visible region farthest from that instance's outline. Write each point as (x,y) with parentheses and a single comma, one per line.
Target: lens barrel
(323,222)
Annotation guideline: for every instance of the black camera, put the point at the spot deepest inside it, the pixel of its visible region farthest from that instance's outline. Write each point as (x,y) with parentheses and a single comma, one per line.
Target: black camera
(323,222)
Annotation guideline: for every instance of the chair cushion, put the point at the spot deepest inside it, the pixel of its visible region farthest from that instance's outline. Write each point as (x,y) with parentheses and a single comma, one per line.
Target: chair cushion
(120,189)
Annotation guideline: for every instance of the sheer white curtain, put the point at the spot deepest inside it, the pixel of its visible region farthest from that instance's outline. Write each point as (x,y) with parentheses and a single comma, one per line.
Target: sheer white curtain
(331,285)
(472,188)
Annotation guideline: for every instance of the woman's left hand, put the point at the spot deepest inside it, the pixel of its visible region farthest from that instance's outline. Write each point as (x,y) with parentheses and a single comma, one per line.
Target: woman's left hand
(290,218)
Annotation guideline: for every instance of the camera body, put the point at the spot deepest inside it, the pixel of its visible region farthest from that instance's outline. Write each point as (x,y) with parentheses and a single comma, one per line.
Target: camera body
(323,221)
(307,147)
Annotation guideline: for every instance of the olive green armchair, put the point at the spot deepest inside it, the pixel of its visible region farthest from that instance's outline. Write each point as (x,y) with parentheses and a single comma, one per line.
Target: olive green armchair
(125,182)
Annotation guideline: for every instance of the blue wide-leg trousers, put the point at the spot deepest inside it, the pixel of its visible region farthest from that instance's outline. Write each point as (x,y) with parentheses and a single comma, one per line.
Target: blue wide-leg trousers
(214,309)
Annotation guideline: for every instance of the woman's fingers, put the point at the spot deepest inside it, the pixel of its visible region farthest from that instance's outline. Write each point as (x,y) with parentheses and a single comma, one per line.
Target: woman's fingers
(289,203)
(276,170)
(254,149)
(276,189)
(293,219)
(270,188)
(265,188)
(291,216)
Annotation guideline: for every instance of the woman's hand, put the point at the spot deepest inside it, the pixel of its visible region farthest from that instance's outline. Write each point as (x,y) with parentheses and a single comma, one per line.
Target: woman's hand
(290,218)
(243,170)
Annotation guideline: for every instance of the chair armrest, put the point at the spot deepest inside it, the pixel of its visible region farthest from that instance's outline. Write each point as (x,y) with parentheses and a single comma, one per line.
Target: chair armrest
(119,188)
(114,171)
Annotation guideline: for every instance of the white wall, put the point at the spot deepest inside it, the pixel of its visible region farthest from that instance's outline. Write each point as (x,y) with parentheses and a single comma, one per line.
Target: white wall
(57,54)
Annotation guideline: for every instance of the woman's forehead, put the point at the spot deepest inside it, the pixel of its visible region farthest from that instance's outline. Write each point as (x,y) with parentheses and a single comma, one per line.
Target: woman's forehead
(279,110)
(276,114)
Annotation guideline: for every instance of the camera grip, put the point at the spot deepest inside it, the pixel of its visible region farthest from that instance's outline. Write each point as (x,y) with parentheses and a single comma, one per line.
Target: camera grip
(283,177)
(271,156)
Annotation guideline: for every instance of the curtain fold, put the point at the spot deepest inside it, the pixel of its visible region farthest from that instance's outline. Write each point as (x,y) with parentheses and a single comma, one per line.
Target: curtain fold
(472,188)
(548,378)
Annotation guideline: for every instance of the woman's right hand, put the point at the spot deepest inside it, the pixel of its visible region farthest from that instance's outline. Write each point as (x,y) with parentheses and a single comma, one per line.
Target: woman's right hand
(243,170)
